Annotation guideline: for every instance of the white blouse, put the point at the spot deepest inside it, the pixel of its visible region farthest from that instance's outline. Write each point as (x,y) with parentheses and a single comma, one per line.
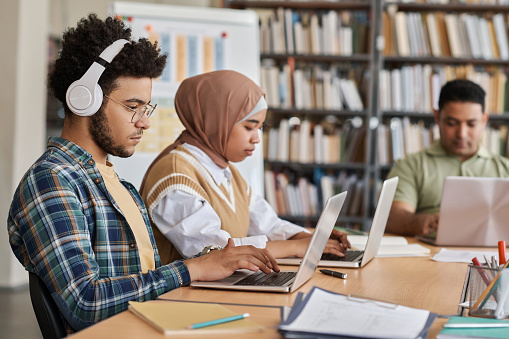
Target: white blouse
(192,224)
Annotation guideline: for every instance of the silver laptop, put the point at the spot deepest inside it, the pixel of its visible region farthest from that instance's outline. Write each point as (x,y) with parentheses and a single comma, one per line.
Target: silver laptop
(286,281)
(473,212)
(356,258)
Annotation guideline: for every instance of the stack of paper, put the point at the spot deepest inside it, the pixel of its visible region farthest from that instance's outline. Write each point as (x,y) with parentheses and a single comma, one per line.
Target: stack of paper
(323,313)
(390,246)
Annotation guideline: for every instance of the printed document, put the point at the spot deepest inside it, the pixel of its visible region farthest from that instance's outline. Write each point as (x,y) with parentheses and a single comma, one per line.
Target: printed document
(324,312)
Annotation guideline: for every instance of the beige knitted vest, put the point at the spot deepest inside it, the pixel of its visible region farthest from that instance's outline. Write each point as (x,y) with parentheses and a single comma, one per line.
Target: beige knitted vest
(180,170)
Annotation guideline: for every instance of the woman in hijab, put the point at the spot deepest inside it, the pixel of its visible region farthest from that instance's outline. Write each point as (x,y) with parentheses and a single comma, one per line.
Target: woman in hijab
(195,196)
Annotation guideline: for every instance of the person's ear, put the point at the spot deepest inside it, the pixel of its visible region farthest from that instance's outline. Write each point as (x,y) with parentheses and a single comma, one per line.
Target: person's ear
(485,118)
(436,114)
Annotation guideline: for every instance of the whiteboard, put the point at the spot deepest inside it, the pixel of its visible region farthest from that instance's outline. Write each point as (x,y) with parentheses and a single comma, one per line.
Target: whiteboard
(234,39)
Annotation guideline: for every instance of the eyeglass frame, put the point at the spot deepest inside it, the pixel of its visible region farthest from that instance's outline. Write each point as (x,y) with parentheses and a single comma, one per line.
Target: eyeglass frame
(148,109)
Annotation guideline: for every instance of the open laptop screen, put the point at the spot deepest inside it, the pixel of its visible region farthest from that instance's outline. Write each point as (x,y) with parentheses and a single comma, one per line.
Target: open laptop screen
(474,212)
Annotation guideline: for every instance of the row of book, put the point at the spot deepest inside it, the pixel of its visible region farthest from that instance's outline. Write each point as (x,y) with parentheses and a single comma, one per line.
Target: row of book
(293,195)
(307,86)
(331,142)
(304,141)
(317,32)
(401,137)
(416,88)
(440,34)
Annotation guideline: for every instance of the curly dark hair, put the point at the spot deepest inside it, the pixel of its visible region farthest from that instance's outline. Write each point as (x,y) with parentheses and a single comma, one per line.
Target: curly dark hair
(82,45)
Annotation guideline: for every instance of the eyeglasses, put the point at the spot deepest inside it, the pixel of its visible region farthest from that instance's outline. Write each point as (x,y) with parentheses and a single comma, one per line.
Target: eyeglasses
(139,111)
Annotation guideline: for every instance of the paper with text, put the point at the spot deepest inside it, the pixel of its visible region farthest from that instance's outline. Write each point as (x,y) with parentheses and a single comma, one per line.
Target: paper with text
(329,313)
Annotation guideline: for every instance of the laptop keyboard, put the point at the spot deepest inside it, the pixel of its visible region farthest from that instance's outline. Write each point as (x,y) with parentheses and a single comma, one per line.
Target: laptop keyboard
(349,256)
(271,279)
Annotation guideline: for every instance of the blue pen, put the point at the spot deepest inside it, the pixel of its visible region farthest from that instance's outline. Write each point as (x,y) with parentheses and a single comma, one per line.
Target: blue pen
(217,321)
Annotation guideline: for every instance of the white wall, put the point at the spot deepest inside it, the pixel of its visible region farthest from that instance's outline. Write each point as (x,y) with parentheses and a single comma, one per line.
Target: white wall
(23,98)
(66,13)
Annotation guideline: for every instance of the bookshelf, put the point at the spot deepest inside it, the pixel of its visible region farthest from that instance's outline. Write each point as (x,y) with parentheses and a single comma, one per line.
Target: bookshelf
(465,44)
(423,55)
(305,116)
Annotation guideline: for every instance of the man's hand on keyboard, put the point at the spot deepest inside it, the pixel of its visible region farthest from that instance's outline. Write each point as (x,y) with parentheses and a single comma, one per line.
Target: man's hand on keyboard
(220,264)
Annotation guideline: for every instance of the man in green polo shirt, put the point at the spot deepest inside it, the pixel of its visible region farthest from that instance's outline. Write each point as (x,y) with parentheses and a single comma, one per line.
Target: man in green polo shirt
(461,119)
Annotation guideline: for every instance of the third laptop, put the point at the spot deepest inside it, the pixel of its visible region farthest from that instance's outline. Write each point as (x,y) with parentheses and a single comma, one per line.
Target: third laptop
(473,212)
(355,258)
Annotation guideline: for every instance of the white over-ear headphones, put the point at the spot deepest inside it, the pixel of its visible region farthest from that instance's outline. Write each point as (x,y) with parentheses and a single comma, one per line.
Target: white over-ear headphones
(84,96)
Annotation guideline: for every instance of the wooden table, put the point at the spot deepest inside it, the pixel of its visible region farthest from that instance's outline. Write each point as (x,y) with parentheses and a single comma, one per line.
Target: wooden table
(415,282)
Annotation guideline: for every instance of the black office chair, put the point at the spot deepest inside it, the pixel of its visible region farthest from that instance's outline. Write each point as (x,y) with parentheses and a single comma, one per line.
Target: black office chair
(46,311)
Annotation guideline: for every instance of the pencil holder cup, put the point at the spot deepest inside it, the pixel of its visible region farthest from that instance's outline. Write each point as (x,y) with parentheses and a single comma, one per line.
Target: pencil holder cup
(489,292)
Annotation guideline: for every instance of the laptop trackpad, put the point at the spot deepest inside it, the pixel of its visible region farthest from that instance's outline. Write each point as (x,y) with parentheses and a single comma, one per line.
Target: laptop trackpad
(236,276)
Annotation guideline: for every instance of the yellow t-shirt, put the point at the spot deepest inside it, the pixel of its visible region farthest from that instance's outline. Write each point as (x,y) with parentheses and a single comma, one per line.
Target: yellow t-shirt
(132,213)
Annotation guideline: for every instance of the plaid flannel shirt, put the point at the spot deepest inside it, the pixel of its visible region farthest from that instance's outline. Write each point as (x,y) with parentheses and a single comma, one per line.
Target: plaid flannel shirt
(65,226)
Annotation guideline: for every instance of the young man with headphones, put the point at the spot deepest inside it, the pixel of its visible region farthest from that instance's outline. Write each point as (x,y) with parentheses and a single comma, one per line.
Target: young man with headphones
(72,221)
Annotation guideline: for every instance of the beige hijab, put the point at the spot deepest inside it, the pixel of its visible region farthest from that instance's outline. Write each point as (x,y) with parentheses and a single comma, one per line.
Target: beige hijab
(209,105)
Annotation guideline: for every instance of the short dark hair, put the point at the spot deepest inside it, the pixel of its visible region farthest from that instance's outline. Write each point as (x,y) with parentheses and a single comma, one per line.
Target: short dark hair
(82,45)
(461,90)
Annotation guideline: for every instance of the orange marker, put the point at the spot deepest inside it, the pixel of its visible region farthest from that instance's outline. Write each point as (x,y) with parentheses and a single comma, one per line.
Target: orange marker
(501,252)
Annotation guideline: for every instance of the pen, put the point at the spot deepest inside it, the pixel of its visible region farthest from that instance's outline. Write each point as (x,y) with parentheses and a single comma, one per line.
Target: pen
(501,252)
(217,321)
(483,274)
(334,273)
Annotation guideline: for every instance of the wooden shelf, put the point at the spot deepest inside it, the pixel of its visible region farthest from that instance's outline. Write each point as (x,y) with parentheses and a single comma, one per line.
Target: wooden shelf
(340,113)
(347,5)
(319,58)
(301,167)
(427,7)
(413,115)
(444,60)
(502,117)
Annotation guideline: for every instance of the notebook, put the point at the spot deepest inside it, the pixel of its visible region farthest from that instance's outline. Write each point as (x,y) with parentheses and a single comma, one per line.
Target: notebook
(473,212)
(355,258)
(287,281)
(174,317)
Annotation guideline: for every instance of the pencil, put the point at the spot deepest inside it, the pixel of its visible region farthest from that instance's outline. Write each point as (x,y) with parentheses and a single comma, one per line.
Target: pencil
(217,321)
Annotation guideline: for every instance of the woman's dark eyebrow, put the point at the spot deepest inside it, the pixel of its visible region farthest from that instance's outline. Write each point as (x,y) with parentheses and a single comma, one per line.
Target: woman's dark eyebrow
(253,121)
